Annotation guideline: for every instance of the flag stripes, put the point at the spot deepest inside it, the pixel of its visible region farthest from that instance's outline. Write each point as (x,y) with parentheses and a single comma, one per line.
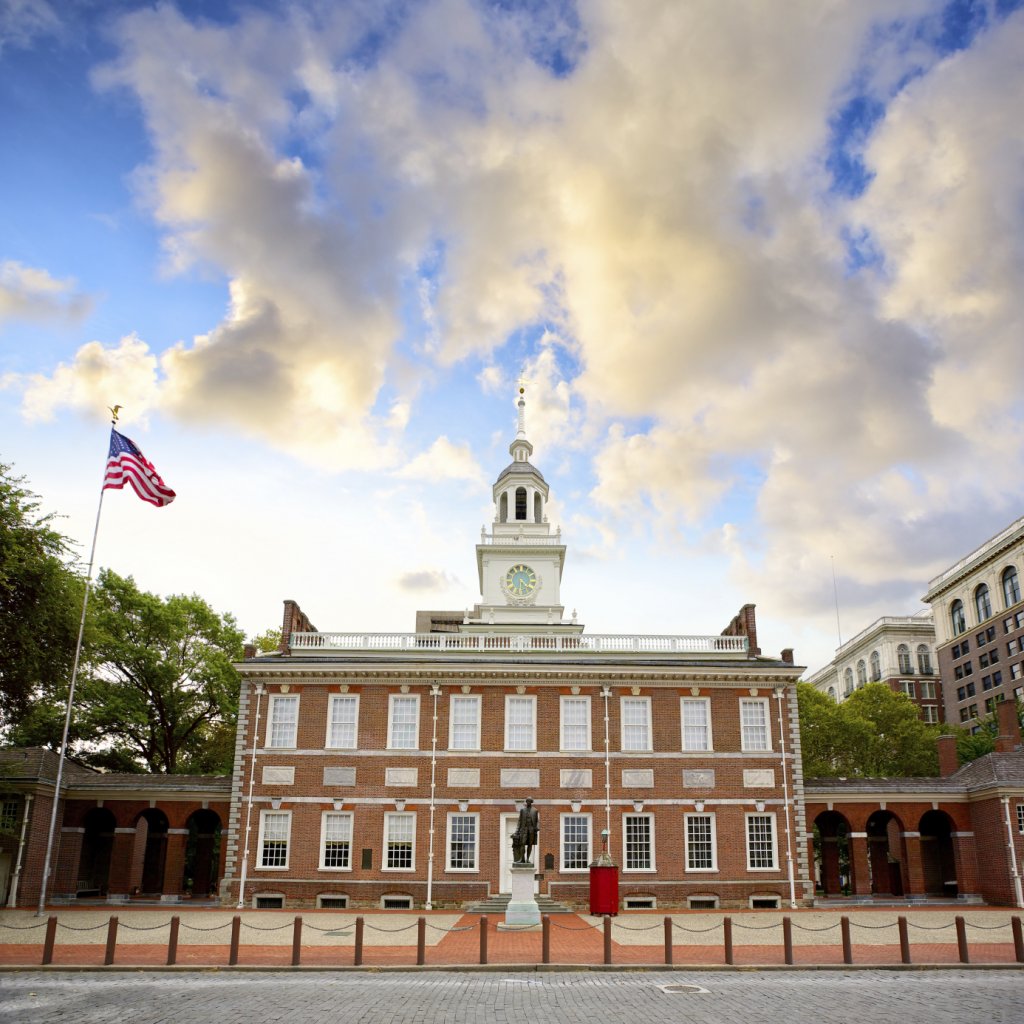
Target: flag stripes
(127,465)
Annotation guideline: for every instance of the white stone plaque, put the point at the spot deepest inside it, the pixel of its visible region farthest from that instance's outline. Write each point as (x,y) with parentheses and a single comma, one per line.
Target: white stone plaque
(400,776)
(759,778)
(278,776)
(699,778)
(516,777)
(339,776)
(464,777)
(577,778)
(638,778)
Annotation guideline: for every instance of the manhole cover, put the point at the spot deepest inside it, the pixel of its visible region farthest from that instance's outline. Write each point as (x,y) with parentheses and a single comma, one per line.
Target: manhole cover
(684,990)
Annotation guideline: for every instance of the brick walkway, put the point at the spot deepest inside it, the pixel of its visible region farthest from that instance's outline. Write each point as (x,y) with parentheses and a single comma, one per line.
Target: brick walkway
(328,938)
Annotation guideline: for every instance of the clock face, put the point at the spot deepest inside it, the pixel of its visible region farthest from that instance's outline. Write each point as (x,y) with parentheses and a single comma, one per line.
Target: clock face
(520,581)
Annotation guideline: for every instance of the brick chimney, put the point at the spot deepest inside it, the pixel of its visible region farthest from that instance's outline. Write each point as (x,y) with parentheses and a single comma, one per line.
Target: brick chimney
(948,762)
(295,621)
(744,623)
(1008,739)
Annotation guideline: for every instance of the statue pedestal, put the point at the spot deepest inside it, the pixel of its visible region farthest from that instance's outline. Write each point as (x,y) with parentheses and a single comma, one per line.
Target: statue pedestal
(522,912)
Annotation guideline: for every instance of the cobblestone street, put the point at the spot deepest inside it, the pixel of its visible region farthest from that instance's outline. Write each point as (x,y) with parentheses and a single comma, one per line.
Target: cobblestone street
(826,997)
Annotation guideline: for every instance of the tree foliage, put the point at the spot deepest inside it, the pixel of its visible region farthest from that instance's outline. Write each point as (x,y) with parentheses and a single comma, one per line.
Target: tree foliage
(160,694)
(40,601)
(873,733)
(268,641)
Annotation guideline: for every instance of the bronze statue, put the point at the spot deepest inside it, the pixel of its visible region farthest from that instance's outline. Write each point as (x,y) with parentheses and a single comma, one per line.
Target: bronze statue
(524,839)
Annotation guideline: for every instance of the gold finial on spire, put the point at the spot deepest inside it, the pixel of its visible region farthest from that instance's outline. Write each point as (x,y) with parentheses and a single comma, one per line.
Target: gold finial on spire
(114,410)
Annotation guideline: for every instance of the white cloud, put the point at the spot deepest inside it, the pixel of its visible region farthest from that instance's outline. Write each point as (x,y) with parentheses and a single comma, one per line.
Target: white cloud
(32,293)
(23,21)
(444,461)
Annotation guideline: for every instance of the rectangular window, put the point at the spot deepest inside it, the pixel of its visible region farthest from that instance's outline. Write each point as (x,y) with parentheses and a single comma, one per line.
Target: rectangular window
(520,723)
(958,672)
(968,668)
(695,714)
(754,724)
(275,829)
(990,705)
(636,723)
(399,841)
(927,689)
(1016,671)
(973,710)
(638,838)
(970,690)
(980,639)
(464,727)
(700,842)
(931,713)
(8,815)
(343,722)
(575,842)
(986,682)
(1020,817)
(761,842)
(907,686)
(282,721)
(403,722)
(575,723)
(964,714)
(336,840)
(462,841)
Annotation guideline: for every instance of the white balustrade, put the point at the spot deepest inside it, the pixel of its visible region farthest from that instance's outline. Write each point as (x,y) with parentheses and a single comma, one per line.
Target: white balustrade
(597,643)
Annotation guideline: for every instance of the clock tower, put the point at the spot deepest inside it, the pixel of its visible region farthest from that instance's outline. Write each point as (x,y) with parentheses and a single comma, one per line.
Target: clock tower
(520,561)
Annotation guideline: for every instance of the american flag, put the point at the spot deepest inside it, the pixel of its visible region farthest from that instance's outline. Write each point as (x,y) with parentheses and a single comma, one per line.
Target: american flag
(126,464)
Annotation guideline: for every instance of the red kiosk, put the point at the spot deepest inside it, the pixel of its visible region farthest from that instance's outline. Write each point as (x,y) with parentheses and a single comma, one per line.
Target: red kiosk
(604,883)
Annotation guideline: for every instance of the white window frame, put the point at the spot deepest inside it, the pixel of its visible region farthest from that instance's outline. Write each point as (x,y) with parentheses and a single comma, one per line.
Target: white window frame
(264,815)
(589,818)
(713,839)
(463,699)
(475,817)
(930,713)
(393,698)
(651,845)
(389,816)
(336,698)
(623,702)
(324,866)
(585,701)
(1020,818)
(706,701)
(926,689)
(769,816)
(273,701)
(509,698)
(763,701)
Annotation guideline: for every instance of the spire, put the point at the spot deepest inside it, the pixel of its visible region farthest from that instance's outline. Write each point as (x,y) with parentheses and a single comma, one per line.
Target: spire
(521,449)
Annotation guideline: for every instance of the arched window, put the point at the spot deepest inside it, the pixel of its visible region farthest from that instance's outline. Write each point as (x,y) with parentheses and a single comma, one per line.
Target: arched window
(924,660)
(956,617)
(503,508)
(848,680)
(903,656)
(832,692)
(1011,586)
(538,508)
(862,673)
(982,602)
(521,503)
(876,667)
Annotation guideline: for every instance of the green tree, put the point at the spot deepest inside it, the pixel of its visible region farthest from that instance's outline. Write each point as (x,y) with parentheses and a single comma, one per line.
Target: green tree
(873,733)
(161,694)
(40,603)
(268,641)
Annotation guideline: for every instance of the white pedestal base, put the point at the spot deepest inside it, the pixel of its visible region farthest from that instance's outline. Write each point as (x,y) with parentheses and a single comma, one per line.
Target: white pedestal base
(522,911)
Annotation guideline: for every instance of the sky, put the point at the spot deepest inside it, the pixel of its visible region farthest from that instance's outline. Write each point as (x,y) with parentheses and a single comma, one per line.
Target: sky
(760,265)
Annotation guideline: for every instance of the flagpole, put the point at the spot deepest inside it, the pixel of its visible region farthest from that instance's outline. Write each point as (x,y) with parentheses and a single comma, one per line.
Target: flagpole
(71,696)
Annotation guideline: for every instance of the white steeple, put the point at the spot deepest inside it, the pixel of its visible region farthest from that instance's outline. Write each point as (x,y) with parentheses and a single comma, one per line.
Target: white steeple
(520,562)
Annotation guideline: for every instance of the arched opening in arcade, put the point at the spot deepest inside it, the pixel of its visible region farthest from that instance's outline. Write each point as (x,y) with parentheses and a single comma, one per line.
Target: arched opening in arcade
(151,830)
(885,854)
(938,862)
(834,866)
(202,853)
(94,860)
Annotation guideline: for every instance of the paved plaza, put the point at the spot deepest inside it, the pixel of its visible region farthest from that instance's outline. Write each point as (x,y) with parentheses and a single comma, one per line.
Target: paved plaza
(825,997)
